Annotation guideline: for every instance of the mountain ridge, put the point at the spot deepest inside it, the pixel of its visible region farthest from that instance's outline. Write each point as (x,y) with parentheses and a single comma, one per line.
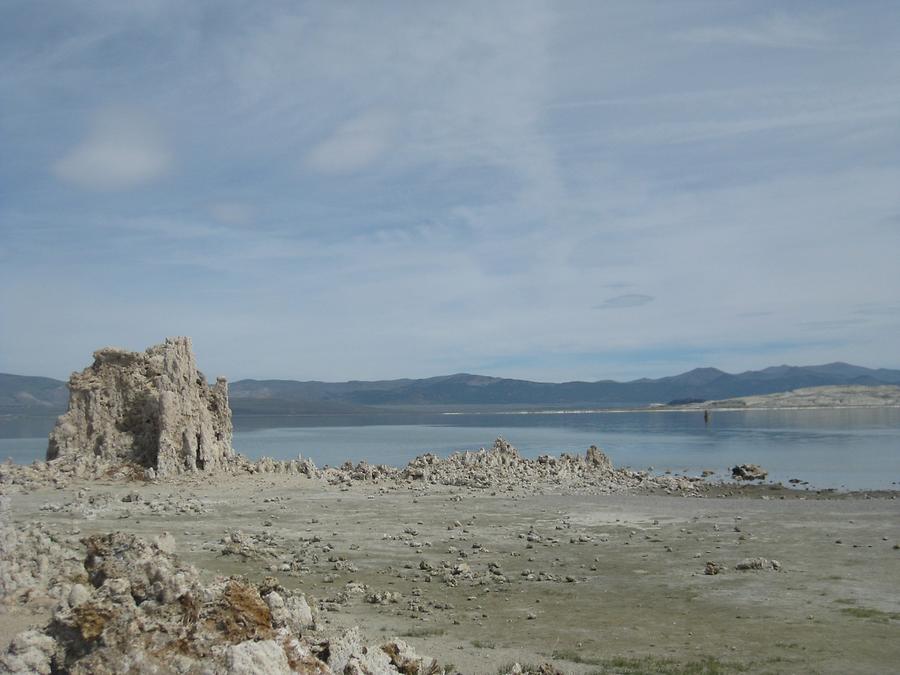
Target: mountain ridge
(31,395)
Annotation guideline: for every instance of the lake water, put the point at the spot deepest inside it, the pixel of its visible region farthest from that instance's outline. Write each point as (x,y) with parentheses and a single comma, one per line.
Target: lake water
(844,448)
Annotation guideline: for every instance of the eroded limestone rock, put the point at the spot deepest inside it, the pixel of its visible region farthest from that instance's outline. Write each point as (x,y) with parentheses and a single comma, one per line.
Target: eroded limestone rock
(134,607)
(152,408)
(758,564)
(749,472)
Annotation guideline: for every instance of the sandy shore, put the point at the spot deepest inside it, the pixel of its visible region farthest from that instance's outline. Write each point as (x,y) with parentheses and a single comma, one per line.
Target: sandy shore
(591,583)
(837,397)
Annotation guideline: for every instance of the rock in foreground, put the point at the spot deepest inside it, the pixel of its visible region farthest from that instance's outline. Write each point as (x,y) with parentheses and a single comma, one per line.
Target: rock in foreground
(132,606)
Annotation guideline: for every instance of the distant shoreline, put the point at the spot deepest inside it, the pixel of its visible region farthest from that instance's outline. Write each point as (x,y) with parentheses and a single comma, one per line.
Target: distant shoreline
(547,411)
(664,408)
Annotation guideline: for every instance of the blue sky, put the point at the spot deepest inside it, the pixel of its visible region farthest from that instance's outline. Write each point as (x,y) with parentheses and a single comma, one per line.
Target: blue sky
(577,190)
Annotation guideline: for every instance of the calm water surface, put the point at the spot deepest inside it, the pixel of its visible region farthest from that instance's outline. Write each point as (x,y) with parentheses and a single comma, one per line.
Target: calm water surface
(853,449)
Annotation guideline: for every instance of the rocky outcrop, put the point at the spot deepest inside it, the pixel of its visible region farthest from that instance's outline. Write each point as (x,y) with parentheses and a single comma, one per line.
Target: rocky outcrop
(748,472)
(712,568)
(152,408)
(503,465)
(499,467)
(36,564)
(598,460)
(758,564)
(122,604)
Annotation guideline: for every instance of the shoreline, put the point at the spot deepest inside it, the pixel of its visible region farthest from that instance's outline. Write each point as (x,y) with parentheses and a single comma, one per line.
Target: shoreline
(705,474)
(640,481)
(665,408)
(412,412)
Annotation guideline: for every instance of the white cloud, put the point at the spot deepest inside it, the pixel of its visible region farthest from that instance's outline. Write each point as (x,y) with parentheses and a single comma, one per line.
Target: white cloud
(434,87)
(778,30)
(353,146)
(123,150)
(231,213)
(628,300)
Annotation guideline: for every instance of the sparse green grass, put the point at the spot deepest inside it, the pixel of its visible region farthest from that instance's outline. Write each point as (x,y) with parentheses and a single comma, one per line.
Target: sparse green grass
(423,631)
(871,614)
(526,668)
(647,665)
(573,656)
(482,644)
(651,665)
(846,601)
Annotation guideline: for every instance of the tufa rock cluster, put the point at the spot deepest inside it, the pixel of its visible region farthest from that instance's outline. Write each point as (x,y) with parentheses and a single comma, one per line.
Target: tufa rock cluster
(122,604)
(749,472)
(151,408)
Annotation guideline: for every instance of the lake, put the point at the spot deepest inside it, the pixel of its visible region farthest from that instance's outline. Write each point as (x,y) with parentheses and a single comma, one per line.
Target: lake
(840,448)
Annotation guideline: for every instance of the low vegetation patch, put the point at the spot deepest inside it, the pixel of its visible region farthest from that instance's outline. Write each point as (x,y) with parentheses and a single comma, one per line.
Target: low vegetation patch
(483,644)
(646,665)
(871,614)
(651,665)
(422,632)
(573,656)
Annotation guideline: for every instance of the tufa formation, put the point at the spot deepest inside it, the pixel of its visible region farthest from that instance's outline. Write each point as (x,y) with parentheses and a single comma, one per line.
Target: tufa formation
(151,408)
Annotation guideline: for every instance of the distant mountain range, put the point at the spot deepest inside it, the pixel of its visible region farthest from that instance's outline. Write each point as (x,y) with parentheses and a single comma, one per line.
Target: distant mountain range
(36,395)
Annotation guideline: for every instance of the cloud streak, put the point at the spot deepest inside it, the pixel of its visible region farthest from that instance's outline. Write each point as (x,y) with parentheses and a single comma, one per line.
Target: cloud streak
(354,145)
(625,301)
(778,30)
(123,150)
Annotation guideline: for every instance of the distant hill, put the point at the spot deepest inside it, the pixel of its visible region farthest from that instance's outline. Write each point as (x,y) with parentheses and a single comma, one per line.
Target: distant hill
(834,396)
(33,395)
(21,393)
(462,390)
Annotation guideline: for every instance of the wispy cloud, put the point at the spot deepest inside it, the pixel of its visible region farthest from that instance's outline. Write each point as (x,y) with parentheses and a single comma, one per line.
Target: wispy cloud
(124,149)
(624,301)
(354,145)
(778,30)
(231,213)
(875,310)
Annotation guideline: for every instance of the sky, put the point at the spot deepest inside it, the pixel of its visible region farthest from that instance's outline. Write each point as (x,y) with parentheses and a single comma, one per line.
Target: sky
(356,190)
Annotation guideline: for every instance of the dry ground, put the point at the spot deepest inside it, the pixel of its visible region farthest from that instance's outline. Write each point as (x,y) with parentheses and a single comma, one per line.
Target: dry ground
(618,582)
